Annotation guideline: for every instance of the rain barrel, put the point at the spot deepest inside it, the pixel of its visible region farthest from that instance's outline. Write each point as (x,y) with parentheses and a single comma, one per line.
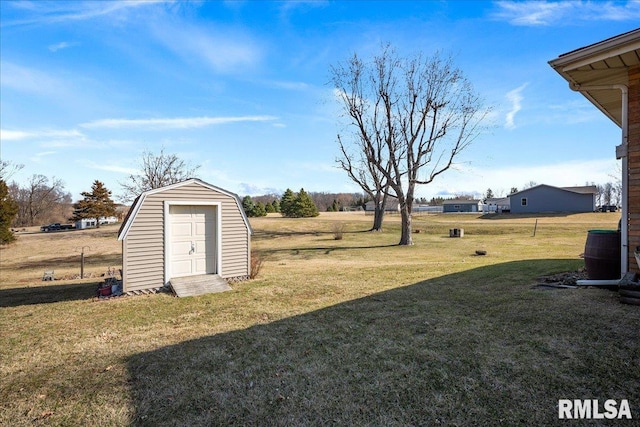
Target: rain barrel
(602,254)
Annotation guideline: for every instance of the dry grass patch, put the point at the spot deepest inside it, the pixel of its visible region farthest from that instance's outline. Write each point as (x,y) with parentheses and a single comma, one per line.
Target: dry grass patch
(351,332)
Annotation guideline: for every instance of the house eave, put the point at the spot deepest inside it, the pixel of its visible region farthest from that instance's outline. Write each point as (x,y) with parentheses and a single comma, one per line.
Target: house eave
(602,64)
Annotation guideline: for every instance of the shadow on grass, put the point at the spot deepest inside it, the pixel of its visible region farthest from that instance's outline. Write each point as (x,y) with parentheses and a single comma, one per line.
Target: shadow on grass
(499,216)
(60,263)
(325,249)
(473,348)
(273,234)
(46,294)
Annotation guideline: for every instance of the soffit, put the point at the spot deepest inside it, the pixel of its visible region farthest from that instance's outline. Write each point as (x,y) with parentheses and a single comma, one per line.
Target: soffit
(602,64)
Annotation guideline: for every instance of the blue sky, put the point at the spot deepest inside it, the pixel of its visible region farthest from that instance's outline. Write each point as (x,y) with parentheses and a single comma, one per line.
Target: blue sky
(240,88)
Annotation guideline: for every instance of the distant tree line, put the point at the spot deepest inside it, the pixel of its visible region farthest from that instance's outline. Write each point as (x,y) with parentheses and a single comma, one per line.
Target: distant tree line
(290,205)
(322,201)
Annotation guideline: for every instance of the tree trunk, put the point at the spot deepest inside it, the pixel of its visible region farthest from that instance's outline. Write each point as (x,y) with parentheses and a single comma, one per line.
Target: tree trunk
(380,201)
(378,215)
(405,237)
(406,208)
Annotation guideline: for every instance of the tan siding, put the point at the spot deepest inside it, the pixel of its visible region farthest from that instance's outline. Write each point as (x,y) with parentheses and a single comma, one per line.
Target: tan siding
(145,241)
(143,248)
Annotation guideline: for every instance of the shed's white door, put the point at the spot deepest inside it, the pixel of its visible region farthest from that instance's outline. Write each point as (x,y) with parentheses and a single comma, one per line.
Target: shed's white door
(193,240)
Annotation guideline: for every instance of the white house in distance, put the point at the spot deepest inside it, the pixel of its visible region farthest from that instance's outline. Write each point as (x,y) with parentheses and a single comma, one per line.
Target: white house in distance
(91,222)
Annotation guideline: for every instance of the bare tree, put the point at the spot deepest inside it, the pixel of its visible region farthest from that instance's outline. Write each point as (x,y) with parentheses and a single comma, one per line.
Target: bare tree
(368,136)
(367,176)
(39,201)
(411,117)
(7,169)
(156,170)
(617,184)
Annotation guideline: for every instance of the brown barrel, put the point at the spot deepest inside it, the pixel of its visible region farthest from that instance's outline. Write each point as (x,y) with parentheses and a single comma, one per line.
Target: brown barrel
(602,254)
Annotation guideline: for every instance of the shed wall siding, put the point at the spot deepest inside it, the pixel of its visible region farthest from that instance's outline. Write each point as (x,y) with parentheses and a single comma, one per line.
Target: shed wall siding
(144,246)
(460,207)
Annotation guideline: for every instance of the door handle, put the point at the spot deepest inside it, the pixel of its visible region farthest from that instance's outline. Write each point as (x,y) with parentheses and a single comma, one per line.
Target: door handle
(193,249)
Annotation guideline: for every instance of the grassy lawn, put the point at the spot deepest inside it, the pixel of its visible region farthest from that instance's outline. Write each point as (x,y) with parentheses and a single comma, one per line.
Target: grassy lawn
(355,331)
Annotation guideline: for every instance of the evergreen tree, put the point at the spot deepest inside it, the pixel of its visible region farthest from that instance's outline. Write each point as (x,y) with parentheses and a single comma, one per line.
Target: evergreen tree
(259,209)
(253,209)
(304,206)
(8,211)
(96,204)
(268,208)
(287,203)
(276,205)
(488,195)
(248,205)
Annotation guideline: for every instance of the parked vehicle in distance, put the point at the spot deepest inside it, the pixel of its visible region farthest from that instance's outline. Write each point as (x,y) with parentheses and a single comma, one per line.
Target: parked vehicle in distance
(56,226)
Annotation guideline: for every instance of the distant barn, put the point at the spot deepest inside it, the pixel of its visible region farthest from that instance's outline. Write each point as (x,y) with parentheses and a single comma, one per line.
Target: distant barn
(461,205)
(546,198)
(190,230)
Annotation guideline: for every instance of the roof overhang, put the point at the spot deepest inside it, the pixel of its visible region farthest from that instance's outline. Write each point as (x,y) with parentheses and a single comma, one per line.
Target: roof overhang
(602,64)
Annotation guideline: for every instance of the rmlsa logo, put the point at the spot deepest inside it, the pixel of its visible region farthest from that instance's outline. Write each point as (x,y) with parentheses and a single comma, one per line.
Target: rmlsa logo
(590,409)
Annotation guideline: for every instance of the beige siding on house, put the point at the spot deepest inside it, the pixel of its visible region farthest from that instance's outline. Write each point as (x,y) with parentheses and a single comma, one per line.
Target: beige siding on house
(144,246)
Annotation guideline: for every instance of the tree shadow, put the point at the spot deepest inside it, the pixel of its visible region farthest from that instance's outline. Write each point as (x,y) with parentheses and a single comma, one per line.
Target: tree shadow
(15,297)
(503,216)
(325,249)
(431,353)
(274,234)
(61,263)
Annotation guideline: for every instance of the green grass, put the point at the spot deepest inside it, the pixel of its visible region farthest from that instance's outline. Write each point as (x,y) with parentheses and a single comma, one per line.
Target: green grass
(355,331)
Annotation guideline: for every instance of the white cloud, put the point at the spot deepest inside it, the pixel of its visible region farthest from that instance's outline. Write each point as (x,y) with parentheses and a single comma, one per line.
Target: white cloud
(288,85)
(59,12)
(13,135)
(17,135)
(62,45)
(38,157)
(26,79)
(224,50)
(172,123)
(109,167)
(537,13)
(515,98)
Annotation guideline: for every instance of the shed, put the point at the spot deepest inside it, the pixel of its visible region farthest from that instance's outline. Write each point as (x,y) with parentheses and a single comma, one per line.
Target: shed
(546,198)
(392,205)
(460,205)
(188,230)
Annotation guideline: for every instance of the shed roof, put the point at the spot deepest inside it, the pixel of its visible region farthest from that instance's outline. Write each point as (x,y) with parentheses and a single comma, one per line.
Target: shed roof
(587,189)
(461,202)
(602,64)
(139,201)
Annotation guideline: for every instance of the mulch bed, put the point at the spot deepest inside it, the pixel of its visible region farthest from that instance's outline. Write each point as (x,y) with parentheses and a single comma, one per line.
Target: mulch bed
(567,280)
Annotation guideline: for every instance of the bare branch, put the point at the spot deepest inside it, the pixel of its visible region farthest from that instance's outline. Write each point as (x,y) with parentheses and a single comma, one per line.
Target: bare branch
(408,116)
(156,171)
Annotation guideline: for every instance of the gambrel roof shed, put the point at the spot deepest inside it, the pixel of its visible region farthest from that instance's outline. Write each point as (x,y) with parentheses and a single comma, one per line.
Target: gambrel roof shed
(187,229)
